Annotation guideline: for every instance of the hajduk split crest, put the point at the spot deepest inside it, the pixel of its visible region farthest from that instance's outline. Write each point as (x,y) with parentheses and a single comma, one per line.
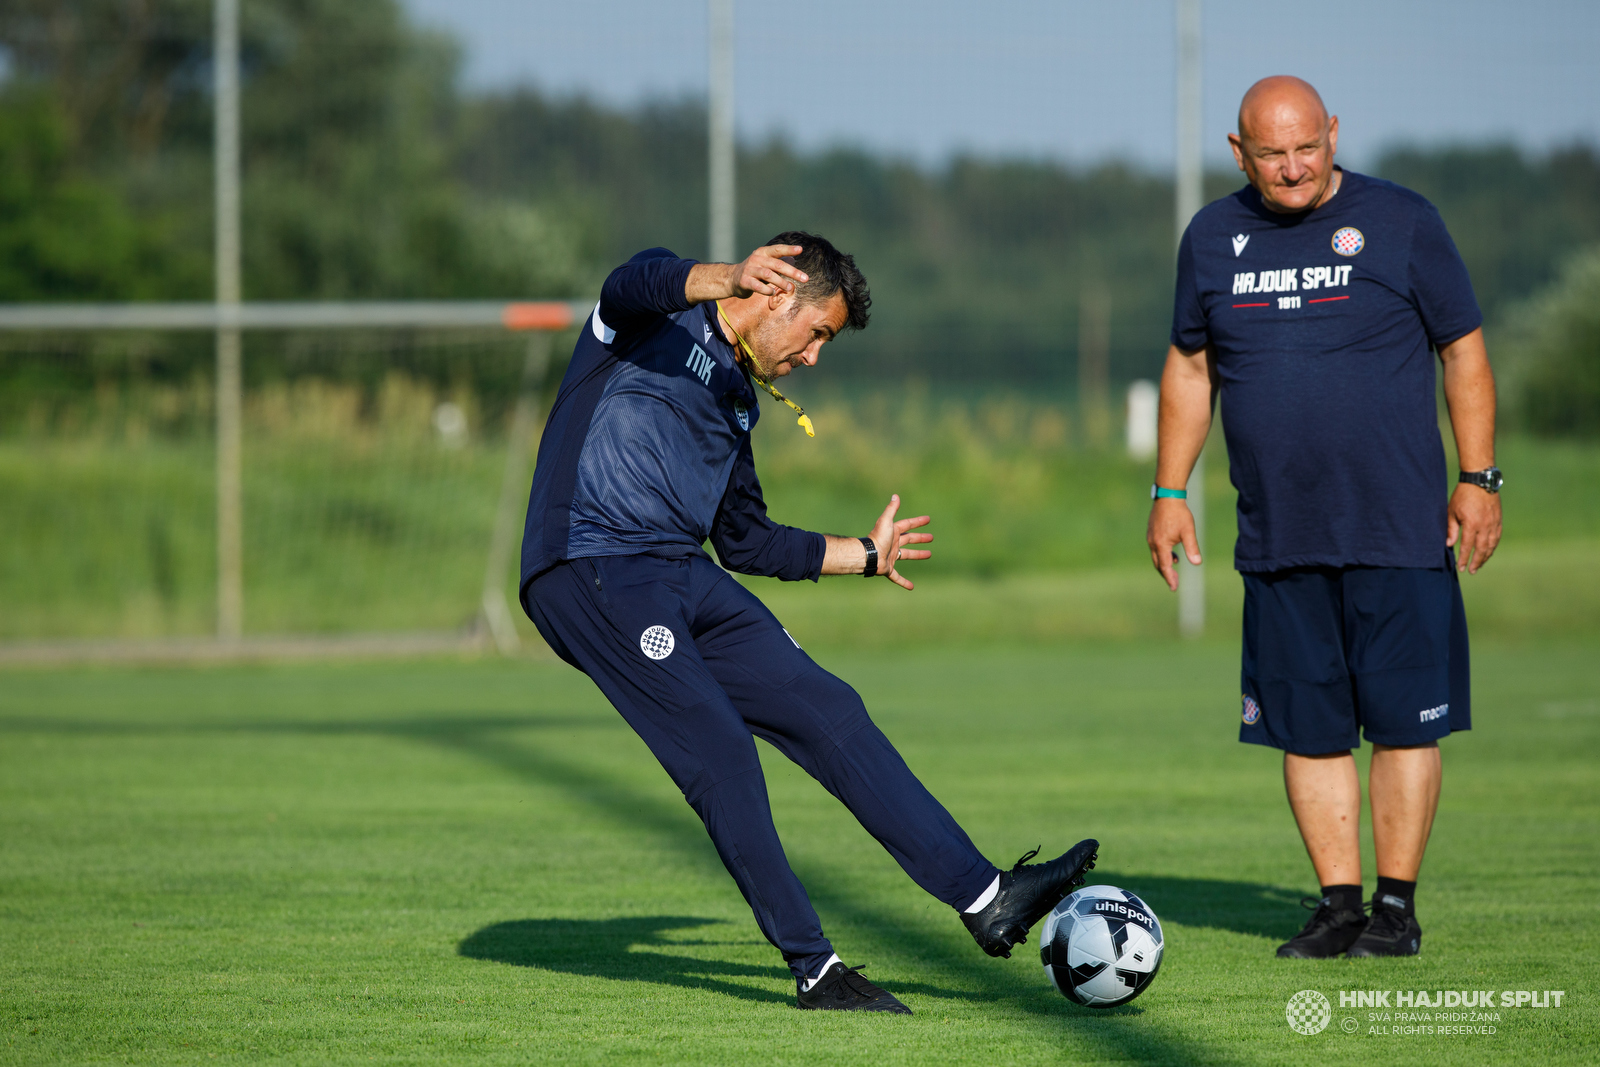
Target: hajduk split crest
(1347,241)
(657,642)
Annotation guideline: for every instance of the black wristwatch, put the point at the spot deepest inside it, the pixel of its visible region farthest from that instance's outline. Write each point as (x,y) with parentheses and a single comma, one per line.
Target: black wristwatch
(1489,479)
(871,569)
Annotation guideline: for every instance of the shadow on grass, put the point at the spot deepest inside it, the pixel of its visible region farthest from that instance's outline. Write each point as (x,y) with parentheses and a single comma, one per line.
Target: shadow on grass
(633,949)
(626,949)
(1240,907)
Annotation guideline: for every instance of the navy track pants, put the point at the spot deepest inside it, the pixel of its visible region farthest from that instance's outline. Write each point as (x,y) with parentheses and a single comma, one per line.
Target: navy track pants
(699,668)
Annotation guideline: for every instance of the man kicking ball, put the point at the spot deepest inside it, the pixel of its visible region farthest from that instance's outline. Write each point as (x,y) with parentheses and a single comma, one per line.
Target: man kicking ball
(646,456)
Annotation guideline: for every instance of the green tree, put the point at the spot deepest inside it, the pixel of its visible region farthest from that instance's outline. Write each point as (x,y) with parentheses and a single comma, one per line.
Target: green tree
(62,233)
(347,116)
(1553,364)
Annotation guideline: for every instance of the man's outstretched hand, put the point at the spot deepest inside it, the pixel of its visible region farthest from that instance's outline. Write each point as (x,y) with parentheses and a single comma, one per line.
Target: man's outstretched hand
(1171,524)
(764,271)
(847,555)
(891,537)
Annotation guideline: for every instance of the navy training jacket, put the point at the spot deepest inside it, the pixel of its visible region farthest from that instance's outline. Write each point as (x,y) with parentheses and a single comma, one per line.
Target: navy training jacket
(647,448)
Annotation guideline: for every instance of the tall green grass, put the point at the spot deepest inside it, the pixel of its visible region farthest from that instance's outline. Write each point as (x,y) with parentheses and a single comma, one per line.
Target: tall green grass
(1014,484)
(358,516)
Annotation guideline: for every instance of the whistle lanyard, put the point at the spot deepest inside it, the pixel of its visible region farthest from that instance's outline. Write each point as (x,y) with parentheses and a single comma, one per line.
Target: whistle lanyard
(805,421)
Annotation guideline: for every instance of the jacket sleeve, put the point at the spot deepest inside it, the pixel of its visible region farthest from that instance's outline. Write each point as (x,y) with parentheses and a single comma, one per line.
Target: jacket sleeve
(647,286)
(749,542)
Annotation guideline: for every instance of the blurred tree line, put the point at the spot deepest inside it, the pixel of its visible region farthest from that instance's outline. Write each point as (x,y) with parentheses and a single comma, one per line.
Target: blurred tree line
(369,174)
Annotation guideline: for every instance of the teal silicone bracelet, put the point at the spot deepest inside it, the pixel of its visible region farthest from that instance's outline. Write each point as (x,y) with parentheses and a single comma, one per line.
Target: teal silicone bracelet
(1158,493)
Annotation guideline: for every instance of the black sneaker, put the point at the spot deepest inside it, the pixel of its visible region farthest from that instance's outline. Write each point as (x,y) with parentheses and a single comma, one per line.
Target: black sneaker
(1392,930)
(844,988)
(1026,895)
(1329,932)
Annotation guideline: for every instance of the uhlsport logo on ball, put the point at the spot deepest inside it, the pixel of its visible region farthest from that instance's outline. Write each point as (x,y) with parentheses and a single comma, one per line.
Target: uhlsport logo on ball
(657,642)
(1308,1012)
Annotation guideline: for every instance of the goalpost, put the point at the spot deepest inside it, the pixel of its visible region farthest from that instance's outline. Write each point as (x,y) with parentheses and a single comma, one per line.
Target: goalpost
(343,491)
(1189,200)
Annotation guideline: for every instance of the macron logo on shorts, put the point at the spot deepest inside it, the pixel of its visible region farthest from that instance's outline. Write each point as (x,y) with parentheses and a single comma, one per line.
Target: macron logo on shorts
(657,642)
(1430,714)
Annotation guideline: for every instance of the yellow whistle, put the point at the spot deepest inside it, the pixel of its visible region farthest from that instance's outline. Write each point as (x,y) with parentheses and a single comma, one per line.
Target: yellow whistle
(755,376)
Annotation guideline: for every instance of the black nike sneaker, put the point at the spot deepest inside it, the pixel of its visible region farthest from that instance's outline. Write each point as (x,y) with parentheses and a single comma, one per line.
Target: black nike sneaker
(1392,930)
(844,988)
(1026,895)
(1329,931)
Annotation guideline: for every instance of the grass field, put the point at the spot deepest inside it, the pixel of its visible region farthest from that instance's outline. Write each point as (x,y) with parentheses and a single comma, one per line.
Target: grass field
(476,862)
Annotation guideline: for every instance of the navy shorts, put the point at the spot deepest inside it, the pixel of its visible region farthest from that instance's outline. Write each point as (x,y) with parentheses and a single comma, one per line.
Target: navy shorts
(1331,653)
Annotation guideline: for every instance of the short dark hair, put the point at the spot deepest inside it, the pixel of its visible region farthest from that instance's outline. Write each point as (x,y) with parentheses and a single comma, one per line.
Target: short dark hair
(830,271)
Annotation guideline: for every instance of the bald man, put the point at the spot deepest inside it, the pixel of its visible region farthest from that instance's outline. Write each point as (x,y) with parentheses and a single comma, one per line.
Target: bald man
(1314,300)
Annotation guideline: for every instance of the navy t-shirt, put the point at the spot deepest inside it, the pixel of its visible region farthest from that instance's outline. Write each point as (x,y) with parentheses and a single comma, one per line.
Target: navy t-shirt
(1323,324)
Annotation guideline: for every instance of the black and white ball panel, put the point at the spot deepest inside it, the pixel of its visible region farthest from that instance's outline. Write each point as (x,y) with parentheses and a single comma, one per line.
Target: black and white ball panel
(1101,946)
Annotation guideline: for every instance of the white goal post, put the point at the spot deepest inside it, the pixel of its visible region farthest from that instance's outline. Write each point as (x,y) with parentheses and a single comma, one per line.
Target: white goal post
(538,319)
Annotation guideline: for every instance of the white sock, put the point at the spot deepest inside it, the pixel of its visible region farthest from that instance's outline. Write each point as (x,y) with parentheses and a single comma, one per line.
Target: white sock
(983,898)
(807,983)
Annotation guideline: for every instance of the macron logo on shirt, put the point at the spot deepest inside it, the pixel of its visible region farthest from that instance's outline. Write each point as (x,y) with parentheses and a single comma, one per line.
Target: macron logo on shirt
(1238,244)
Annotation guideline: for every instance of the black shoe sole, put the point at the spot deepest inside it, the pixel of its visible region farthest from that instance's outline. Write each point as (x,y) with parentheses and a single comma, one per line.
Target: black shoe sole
(846,989)
(1408,943)
(1366,952)
(891,1009)
(1342,936)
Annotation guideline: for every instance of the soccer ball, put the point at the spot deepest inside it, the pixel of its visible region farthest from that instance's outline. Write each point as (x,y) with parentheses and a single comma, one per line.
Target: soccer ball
(1101,946)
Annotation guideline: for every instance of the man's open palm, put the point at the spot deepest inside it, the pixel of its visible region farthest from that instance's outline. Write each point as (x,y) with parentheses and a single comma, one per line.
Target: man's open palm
(891,537)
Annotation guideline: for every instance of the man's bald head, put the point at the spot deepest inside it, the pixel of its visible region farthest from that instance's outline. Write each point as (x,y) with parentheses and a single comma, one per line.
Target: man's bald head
(1285,144)
(1280,99)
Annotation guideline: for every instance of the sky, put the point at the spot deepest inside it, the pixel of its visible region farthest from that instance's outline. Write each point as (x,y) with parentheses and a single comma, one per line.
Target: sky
(1075,80)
